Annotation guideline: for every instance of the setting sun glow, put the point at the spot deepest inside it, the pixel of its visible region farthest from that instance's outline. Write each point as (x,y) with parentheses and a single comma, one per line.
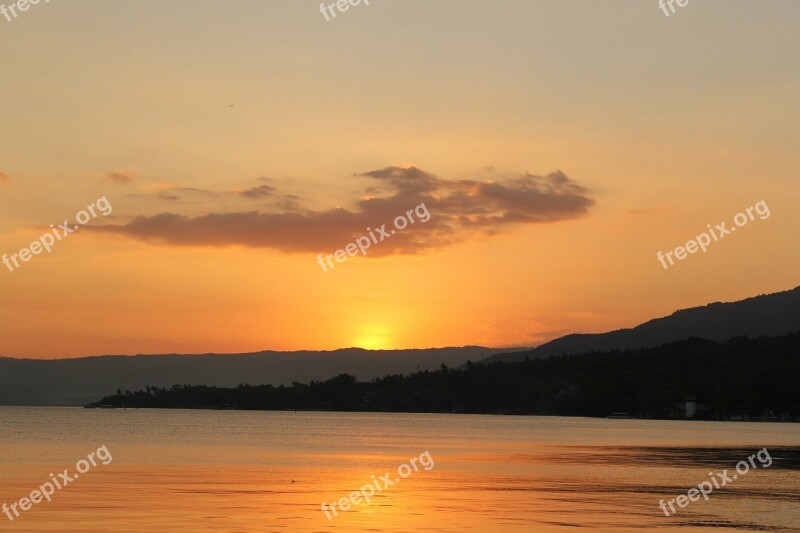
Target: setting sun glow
(374,337)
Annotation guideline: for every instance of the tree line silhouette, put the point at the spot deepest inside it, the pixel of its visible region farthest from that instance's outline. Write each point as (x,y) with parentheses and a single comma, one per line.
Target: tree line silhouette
(742,377)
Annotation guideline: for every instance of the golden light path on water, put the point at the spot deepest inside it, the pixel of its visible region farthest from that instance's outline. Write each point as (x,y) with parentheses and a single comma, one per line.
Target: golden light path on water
(271,471)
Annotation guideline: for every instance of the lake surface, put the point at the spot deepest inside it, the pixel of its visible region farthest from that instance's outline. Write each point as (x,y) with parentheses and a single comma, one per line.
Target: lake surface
(234,471)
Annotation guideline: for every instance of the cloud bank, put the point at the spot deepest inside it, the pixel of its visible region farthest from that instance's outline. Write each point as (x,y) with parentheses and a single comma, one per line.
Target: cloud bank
(459,210)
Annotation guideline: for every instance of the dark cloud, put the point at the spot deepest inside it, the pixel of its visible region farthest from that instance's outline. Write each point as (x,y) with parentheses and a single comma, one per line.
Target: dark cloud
(458,210)
(256,193)
(405,181)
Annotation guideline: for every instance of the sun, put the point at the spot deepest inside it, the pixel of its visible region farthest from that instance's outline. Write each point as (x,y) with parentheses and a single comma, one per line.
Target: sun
(374,337)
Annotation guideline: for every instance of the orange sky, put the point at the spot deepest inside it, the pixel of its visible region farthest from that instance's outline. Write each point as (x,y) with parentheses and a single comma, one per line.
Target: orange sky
(558,147)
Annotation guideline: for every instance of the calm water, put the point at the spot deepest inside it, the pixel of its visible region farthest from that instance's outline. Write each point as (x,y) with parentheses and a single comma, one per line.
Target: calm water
(233,471)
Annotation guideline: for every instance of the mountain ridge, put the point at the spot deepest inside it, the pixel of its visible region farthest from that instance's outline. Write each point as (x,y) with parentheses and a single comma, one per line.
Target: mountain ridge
(76,381)
(770,314)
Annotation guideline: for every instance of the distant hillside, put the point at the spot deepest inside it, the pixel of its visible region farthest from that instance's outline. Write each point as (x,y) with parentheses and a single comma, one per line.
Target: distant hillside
(79,381)
(771,315)
(738,379)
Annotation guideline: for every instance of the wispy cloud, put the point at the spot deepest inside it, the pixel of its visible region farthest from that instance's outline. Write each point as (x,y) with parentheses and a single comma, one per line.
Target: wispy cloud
(5,178)
(122,177)
(459,209)
(174,193)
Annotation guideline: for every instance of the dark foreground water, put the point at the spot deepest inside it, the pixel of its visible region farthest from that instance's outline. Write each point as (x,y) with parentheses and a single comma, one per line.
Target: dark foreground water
(268,471)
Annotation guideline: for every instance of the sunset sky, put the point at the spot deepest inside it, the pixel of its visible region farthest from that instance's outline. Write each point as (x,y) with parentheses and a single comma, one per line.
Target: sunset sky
(558,145)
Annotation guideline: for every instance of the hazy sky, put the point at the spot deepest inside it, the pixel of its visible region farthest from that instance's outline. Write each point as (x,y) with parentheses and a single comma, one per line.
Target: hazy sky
(558,145)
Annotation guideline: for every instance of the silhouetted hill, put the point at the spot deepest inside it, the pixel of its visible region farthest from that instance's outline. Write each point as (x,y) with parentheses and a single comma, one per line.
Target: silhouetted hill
(770,314)
(79,381)
(741,378)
